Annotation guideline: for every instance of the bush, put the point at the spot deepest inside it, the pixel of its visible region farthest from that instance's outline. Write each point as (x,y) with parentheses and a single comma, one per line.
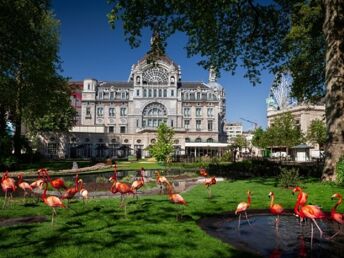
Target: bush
(289,177)
(340,171)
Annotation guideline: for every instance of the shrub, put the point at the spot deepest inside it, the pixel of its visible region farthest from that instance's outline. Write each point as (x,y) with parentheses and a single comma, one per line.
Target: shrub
(340,171)
(289,177)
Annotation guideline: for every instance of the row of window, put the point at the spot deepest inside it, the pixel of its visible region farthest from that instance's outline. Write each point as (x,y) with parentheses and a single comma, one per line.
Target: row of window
(111,95)
(155,93)
(111,111)
(198,112)
(198,96)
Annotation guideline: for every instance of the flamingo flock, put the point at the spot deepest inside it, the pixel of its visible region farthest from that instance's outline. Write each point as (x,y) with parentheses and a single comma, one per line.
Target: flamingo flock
(302,210)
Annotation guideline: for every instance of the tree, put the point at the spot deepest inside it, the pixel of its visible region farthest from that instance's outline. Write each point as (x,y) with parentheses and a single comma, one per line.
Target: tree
(316,133)
(259,138)
(29,65)
(163,147)
(284,132)
(295,35)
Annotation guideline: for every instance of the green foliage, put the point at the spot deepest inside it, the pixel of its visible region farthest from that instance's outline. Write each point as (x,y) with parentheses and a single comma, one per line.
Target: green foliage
(317,133)
(288,177)
(340,172)
(284,132)
(163,147)
(260,138)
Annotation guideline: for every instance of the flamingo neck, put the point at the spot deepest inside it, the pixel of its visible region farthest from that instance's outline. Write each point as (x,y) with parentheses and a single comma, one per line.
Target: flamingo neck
(272,201)
(249,199)
(44,195)
(339,202)
(142,176)
(20,179)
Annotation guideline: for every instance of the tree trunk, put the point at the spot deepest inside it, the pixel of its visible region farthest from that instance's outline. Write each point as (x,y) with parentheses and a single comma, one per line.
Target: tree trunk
(333,29)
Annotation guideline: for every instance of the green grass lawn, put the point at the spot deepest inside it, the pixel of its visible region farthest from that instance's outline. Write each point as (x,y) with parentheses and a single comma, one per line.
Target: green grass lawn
(100,229)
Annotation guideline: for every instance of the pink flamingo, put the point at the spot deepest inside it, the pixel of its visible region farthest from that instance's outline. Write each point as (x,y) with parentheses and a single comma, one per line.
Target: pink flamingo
(301,200)
(161,180)
(83,192)
(71,192)
(336,216)
(242,207)
(8,186)
(51,201)
(175,198)
(137,184)
(56,183)
(203,172)
(24,185)
(275,209)
(209,182)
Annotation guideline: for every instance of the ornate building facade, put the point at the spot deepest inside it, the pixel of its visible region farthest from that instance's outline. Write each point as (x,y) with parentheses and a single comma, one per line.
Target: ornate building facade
(117,119)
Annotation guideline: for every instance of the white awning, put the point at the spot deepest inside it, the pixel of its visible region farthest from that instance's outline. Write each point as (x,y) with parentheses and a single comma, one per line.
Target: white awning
(206,144)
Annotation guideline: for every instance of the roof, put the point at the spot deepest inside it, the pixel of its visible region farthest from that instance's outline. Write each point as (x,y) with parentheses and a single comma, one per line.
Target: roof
(301,146)
(119,84)
(206,144)
(164,59)
(192,85)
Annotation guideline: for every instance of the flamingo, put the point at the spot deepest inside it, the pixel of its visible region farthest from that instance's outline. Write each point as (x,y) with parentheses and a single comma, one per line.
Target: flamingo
(137,184)
(312,212)
(24,185)
(52,201)
(70,192)
(275,209)
(301,200)
(336,216)
(209,182)
(161,180)
(56,183)
(242,207)
(122,188)
(8,186)
(175,198)
(83,192)
(203,172)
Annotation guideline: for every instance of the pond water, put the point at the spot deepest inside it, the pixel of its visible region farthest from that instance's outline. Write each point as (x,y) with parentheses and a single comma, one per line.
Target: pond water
(290,240)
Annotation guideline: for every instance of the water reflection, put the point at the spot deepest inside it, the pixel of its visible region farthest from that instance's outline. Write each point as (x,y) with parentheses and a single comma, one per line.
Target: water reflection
(289,240)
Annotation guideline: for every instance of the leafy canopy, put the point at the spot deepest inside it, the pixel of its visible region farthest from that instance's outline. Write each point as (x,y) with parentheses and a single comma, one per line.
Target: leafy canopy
(163,147)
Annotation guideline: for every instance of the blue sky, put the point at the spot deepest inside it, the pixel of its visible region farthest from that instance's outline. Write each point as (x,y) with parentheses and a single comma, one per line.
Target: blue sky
(90,48)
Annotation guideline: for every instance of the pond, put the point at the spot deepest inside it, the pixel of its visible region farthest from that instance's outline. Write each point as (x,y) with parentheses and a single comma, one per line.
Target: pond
(262,238)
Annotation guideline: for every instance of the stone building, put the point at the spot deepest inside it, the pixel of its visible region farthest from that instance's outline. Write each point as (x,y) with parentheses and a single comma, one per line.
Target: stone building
(117,119)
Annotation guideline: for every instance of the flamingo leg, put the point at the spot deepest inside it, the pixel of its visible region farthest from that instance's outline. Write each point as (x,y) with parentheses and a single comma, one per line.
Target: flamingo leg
(239,221)
(316,224)
(52,216)
(311,235)
(209,192)
(5,200)
(247,218)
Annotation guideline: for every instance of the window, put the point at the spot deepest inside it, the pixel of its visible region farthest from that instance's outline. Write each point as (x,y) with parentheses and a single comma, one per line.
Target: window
(210,125)
(112,95)
(198,95)
(187,139)
(172,93)
(137,93)
(165,93)
(210,140)
(100,111)
(111,112)
(111,129)
(172,80)
(198,124)
(198,140)
(100,96)
(122,129)
(123,111)
(160,93)
(187,112)
(187,124)
(149,93)
(88,86)
(198,111)
(154,93)
(52,148)
(171,123)
(106,95)
(210,112)
(88,112)
(145,93)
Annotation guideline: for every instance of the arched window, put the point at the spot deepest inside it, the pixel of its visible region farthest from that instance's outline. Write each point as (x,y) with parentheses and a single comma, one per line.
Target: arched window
(187,139)
(153,115)
(210,140)
(198,139)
